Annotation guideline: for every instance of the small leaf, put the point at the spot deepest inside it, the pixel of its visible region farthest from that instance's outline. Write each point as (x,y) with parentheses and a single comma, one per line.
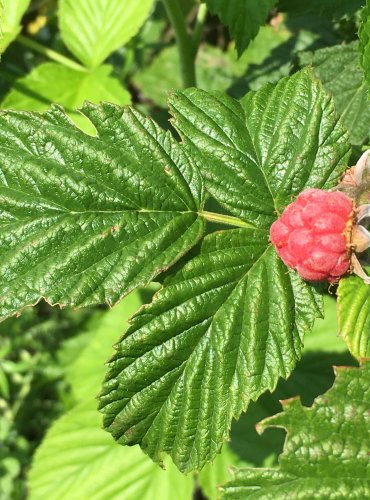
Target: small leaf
(354,315)
(339,70)
(219,334)
(243,18)
(258,153)
(12,13)
(53,83)
(326,448)
(78,460)
(93,29)
(85,219)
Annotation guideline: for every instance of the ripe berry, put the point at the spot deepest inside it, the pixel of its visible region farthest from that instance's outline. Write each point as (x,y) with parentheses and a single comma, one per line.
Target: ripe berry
(313,235)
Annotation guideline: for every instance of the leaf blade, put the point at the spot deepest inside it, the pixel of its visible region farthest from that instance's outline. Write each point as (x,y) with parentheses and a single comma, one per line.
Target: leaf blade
(86,232)
(93,29)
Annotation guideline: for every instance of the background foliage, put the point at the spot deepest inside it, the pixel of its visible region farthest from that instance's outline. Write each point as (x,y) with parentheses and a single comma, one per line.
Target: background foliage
(89,213)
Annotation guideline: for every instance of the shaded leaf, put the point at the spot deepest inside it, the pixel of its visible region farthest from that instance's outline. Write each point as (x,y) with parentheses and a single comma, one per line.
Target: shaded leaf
(335,9)
(339,70)
(326,448)
(243,18)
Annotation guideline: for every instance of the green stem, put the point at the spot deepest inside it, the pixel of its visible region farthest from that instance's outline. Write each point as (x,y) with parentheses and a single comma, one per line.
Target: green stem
(225,219)
(51,54)
(184,42)
(199,25)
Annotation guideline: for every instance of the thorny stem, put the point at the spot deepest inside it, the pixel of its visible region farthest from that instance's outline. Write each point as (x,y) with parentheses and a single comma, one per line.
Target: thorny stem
(51,54)
(184,42)
(225,219)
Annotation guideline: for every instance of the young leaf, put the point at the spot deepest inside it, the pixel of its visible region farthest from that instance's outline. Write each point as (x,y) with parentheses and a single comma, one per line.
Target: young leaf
(87,219)
(219,334)
(354,315)
(93,29)
(12,12)
(258,153)
(339,70)
(364,35)
(77,447)
(243,18)
(53,83)
(326,448)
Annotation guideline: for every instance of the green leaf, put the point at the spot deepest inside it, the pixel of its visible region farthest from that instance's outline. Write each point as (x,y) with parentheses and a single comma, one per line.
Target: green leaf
(85,219)
(258,153)
(364,35)
(196,334)
(336,9)
(53,83)
(339,70)
(93,29)
(12,13)
(219,334)
(78,460)
(326,448)
(243,18)
(354,315)
(312,376)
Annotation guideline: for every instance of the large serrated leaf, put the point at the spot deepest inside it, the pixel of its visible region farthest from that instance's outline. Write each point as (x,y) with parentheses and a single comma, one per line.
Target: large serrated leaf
(339,70)
(51,83)
(258,153)
(219,334)
(93,29)
(86,219)
(336,9)
(354,315)
(243,18)
(326,453)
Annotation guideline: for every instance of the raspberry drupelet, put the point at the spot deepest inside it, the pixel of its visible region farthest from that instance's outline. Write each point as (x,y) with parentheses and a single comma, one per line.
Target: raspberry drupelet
(319,233)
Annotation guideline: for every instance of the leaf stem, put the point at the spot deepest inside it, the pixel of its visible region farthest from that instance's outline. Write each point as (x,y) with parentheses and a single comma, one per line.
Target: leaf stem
(184,42)
(199,25)
(51,54)
(225,219)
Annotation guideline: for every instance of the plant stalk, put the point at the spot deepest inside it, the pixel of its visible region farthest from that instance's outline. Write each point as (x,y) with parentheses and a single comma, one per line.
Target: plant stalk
(225,219)
(199,25)
(184,42)
(49,53)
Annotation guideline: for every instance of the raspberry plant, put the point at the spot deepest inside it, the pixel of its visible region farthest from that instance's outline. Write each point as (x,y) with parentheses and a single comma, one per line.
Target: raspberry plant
(98,199)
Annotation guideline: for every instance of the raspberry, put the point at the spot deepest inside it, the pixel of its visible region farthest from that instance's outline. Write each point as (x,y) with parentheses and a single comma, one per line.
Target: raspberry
(313,234)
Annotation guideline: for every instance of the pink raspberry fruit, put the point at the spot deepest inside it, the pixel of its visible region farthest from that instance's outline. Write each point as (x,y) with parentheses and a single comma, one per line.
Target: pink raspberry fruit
(313,235)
